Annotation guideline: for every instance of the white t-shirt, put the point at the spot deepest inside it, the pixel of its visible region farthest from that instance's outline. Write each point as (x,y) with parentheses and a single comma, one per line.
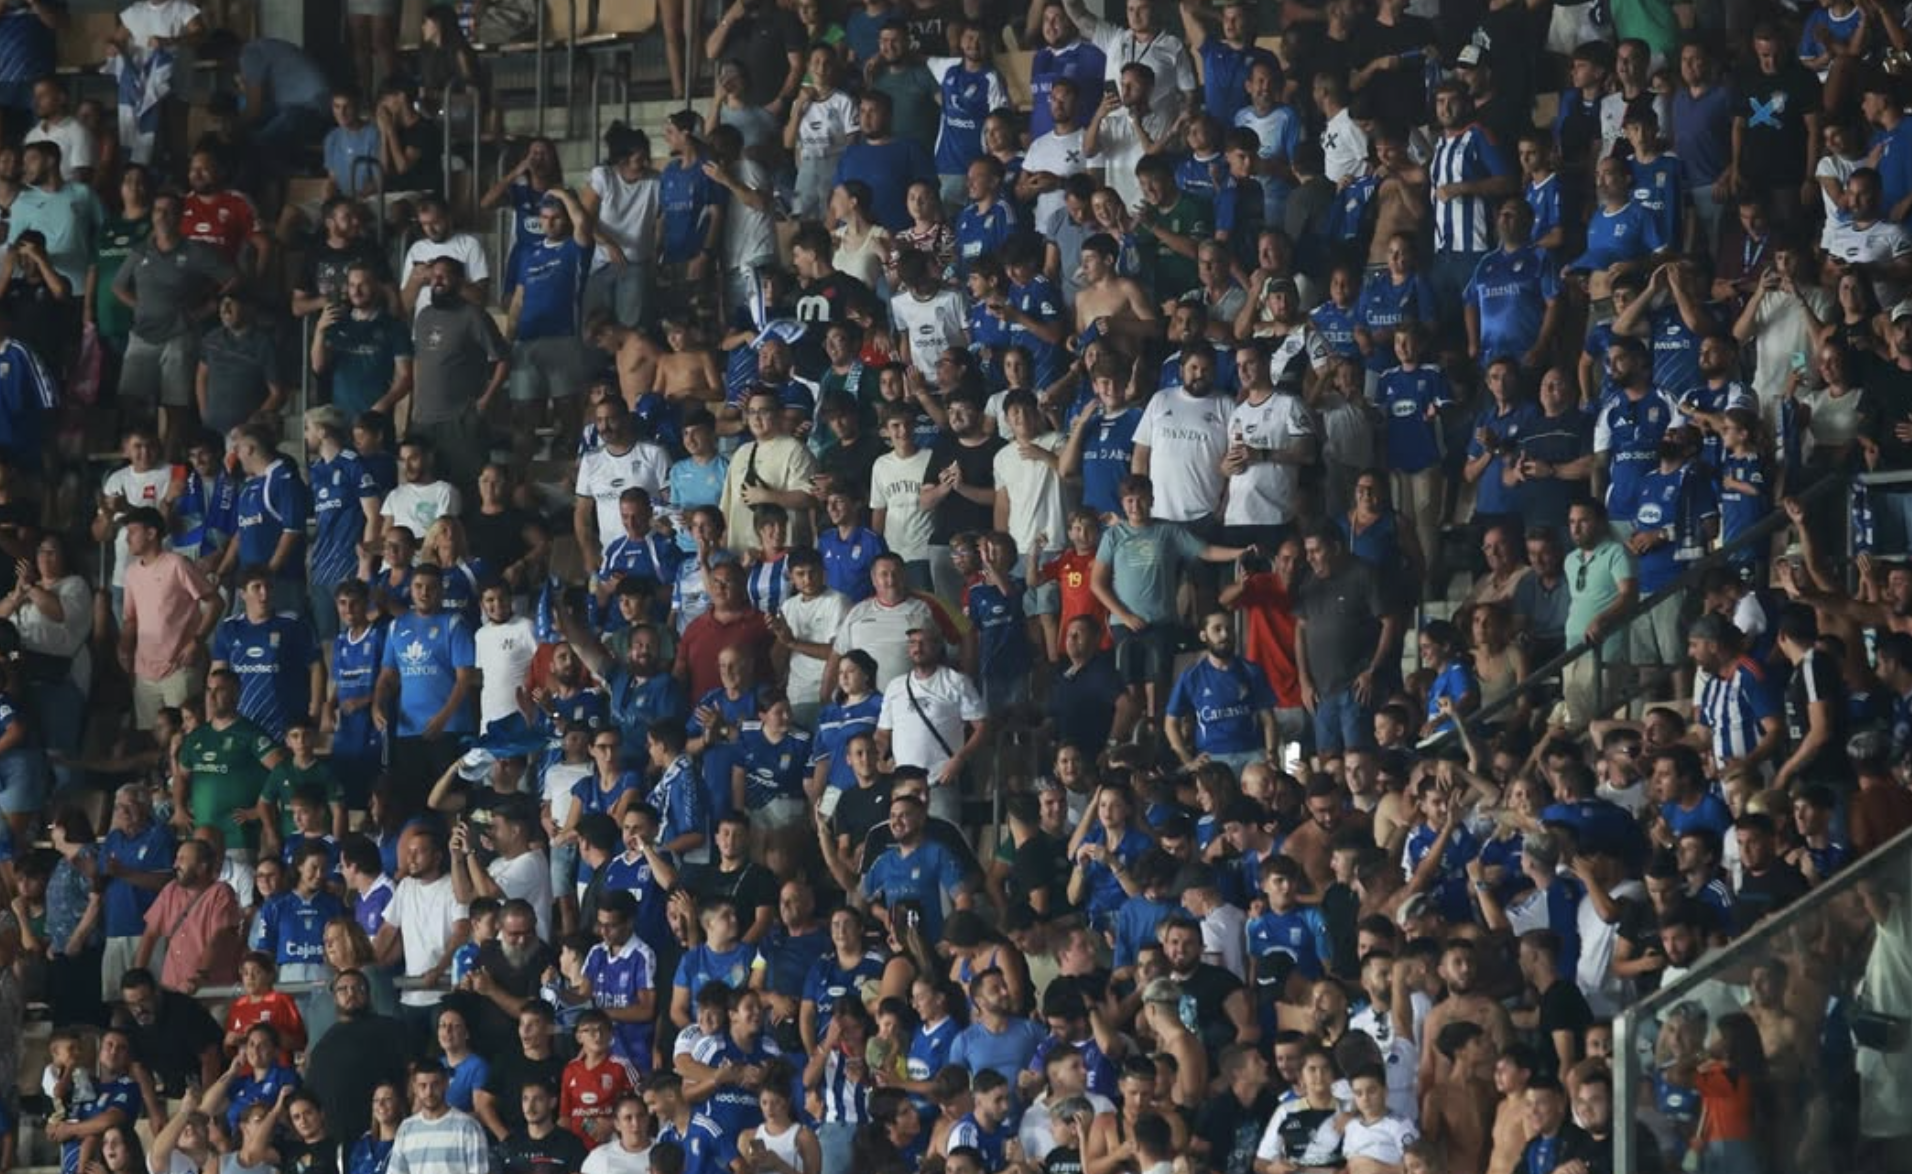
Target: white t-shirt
(948,699)
(1385,1141)
(1345,147)
(139,489)
(527,876)
(613,1158)
(1836,167)
(147,20)
(749,234)
(1186,436)
(1059,155)
(1035,494)
(503,652)
(559,778)
(603,476)
(812,621)
(1879,242)
(1119,149)
(827,126)
(1605,993)
(627,211)
(894,484)
(931,327)
(416,507)
(1163,53)
(1263,494)
(1225,939)
(883,632)
(77,148)
(424,915)
(1038,1135)
(460,246)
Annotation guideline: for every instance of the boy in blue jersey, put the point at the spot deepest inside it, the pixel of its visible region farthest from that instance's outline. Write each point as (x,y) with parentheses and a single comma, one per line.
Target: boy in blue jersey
(692,221)
(1101,444)
(1675,516)
(1033,309)
(427,681)
(345,503)
(718,953)
(1656,174)
(311,825)
(848,548)
(1410,397)
(988,221)
(1287,941)
(1228,701)
(998,651)
(272,509)
(1542,189)
(281,676)
(1438,849)
(682,805)
(357,652)
(205,502)
(1396,295)
(548,359)
(293,923)
(1494,450)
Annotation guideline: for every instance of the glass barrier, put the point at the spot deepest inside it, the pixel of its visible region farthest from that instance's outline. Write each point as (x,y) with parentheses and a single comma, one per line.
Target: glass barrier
(1790,1049)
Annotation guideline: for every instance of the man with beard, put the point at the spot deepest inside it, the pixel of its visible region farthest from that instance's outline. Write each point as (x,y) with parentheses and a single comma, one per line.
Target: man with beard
(533,1059)
(168,281)
(1734,699)
(1593,1112)
(1228,1125)
(506,978)
(1675,515)
(66,214)
(1220,1001)
(1181,440)
(434,221)
(959,486)
(539,1146)
(179,1038)
(199,916)
(1228,701)
(772,468)
(356,1056)
(1463,1004)
(1602,585)
(461,364)
(1467,174)
(640,691)
(1458,1115)
(222,217)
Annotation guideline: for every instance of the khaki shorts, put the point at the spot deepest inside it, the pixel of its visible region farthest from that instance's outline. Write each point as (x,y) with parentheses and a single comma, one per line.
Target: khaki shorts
(151,696)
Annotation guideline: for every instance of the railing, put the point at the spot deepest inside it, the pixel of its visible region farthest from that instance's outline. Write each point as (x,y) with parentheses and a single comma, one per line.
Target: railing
(1758,534)
(1813,937)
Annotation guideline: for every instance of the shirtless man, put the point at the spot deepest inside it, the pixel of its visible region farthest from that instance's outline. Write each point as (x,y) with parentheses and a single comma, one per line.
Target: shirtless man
(1458,1115)
(1312,843)
(1461,1005)
(1511,1130)
(688,370)
(1779,1029)
(1115,305)
(634,355)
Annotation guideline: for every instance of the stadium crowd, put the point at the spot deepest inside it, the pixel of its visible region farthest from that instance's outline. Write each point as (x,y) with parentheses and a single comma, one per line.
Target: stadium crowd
(973,606)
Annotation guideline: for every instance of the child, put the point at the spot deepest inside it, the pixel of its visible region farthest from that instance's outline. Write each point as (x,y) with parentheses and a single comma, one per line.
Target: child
(888,1051)
(1070,572)
(896,480)
(487,914)
(305,767)
(560,984)
(312,813)
(929,315)
(1069,1121)
(1453,690)
(1372,1132)
(262,1004)
(1390,728)
(1542,189)
(997,649)
(1287,941)
(1656,174)
(768,577)
(593,1082)
(65,1080)
(1438,849)
(292,925)
(1734,1095)
(1743,497)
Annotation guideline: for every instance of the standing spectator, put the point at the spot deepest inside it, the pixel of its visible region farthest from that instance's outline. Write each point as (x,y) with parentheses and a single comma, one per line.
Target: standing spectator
(436,1138)
(933,718)
(1140,41)
(79,149)
(238,375)
(197,917)
(888,163)
(366,351)
(171,283)
(766,40)
(424,926)
(429,675)
(132,866)
(621,196)
(437,240)
(282,678)
(462,362)
(548,358)
(1776,127)
(66,215)
(1701,134)
(272,511)
(1185,458)
(772,468)
(1344,630)
(1602,587)
(1227,700)
(911,112)
(223,765)
(160,637)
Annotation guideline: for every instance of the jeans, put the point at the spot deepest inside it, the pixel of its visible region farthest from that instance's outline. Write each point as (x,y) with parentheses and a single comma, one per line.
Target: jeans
(60,708)
(836,1139)
(1341,723)
(22,781)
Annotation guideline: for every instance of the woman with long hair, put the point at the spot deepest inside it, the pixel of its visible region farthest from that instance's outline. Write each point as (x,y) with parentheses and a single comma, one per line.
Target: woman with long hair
(523,190)
(852,710)
(373,1149)
(861,243)
(782,1144)
(446,548)
(840,1074)
(929,233)
(1736,1103)
(891,1138)
(974,948)
(183,1145)
(1499,665)
(346,946)
(74,922)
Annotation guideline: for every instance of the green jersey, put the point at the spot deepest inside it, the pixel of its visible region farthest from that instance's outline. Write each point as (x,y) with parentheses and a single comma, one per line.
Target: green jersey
(288,777)
(228,769)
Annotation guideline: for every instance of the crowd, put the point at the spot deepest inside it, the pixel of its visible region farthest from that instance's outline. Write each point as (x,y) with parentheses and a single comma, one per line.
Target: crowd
(977,611)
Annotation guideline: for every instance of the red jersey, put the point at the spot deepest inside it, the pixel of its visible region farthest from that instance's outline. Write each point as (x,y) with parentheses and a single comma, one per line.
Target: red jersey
(1070,573)
(273,1007)
(590,1094)
(1269,610)
(221,219)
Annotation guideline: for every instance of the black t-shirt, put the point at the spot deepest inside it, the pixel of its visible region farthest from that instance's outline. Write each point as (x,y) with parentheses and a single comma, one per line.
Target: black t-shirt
(977,465)
(171,1046)
(326,267)
(1082,702)
(1641,929)
(1767,892)
(428,174)
(557,1152)
(510,1071)
(498,539)
(1063,1160)
(1401,91)
(749,888)
(1773,110)
(1887,402)
(1040,864)
(1562,1008)
(860,809)
(1233,1130)
(1814,679)
(300,1157)
(762,43)
(1209,986)
(849,465)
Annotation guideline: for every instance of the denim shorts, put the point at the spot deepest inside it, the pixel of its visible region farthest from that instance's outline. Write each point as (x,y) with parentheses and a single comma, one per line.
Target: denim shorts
(1341,723)
(22,781)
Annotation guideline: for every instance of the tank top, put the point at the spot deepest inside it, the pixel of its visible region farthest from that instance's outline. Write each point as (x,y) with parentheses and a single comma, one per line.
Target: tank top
(783,1146)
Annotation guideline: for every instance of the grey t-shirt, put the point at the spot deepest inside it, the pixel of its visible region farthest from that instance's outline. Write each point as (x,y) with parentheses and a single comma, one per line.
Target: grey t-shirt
(288,77)
(455,349)
(238,368)
(1343,617)
(166,286)
(1145,564)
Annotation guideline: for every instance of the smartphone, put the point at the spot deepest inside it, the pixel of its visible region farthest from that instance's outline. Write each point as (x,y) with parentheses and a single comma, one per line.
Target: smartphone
(1111,90)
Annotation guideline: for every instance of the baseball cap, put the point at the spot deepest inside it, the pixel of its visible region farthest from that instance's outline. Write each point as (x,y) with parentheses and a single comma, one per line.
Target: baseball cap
(1902,311)
(1470,57)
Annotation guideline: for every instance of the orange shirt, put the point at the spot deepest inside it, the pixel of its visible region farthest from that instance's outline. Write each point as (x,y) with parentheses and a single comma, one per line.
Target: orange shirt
(1729,1105)
(274,1007)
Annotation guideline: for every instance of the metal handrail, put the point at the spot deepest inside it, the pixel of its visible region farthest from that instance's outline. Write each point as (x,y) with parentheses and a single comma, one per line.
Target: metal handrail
(1736,954)
(1759,532)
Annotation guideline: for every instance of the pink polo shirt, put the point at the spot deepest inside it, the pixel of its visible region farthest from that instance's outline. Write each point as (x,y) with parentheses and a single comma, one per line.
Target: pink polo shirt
(164,597)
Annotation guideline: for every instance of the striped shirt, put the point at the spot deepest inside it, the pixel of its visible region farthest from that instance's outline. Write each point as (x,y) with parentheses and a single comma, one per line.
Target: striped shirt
(1733,705)
(845,1101)
(451,1144)
(1463,224)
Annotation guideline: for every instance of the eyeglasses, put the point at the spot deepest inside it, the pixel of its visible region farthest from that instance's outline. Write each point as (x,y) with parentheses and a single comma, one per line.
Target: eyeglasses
(1580,580)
